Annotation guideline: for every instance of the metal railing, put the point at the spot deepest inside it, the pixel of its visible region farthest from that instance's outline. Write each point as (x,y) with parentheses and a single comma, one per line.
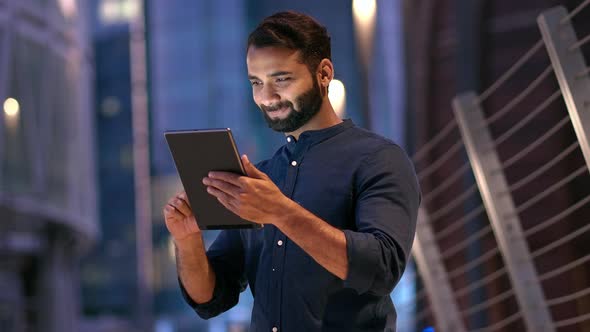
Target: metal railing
(512,259)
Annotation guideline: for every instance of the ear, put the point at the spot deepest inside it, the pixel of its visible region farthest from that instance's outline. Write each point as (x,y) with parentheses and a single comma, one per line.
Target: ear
(325,72)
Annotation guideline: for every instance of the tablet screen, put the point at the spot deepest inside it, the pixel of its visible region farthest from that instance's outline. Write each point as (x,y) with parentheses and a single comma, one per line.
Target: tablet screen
(195,154)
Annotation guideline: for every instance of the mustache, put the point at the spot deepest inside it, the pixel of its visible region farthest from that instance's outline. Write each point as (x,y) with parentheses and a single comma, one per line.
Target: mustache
(276,107)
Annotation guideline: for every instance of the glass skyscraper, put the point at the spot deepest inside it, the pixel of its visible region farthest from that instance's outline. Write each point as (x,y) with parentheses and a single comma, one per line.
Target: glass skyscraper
(47,169)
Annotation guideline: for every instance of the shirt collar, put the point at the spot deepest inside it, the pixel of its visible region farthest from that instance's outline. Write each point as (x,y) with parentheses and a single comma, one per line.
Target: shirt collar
(315,136)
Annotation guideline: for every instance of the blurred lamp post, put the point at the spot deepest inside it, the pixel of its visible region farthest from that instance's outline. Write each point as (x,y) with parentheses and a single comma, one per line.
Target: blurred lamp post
(337,96)
(11,107)
(68,7)
(11,113)
(364,13)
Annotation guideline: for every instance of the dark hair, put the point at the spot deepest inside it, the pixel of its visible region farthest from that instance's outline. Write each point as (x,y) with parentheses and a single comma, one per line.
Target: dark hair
(295,31)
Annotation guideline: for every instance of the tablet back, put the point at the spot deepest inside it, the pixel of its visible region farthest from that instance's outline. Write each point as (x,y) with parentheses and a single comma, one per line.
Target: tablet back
(196,153)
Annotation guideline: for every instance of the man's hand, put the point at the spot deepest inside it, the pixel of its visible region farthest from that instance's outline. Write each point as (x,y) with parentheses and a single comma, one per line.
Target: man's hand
(194,270)
(254,197)
(179,218)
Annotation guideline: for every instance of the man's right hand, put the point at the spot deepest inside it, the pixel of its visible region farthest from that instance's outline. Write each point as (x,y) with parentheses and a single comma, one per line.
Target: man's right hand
(194,269)
(179,217)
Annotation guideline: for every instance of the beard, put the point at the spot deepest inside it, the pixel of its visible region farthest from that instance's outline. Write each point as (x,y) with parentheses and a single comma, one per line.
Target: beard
(309,104)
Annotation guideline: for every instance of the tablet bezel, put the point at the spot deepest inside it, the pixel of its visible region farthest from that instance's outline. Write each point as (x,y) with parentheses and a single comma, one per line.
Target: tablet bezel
(213,216)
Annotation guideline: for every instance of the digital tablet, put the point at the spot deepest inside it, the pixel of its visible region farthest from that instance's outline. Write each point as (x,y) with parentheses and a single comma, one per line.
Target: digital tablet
(195,154)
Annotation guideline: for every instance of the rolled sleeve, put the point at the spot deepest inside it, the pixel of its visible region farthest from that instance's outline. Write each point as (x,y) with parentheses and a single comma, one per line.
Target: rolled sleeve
(386,211)
(227,260)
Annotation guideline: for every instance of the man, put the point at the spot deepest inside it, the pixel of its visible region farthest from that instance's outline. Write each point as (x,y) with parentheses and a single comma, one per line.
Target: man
(339,204)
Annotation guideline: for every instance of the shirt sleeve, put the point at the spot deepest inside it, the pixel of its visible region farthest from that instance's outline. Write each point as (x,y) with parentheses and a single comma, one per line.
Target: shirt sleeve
(386,209)
(226,256)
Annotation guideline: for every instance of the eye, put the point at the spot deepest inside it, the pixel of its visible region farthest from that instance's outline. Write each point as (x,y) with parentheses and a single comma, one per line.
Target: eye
(283,79)
(255,83)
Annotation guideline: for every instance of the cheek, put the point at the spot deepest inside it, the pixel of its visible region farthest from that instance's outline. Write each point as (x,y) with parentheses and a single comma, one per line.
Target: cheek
(256,97)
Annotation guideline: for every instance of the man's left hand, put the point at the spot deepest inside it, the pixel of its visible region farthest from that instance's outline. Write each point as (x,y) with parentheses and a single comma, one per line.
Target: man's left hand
(254,197)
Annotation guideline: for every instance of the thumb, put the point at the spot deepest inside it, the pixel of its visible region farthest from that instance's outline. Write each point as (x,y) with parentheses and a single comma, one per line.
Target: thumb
(251,170)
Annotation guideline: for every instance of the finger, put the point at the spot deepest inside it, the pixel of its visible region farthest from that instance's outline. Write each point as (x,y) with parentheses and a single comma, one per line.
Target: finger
(226,187)
(225,176)
(223,198)
(218,193)
(251,170)
(181,206)
(171,212)
(184,197)
(228,205)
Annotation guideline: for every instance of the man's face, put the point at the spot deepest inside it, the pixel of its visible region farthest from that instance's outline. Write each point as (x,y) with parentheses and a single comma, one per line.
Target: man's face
(283,87)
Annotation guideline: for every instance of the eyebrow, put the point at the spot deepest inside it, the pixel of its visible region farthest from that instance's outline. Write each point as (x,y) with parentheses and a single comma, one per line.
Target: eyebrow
(275,74)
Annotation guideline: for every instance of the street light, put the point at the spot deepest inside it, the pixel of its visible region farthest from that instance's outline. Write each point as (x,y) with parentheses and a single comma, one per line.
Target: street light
(337,96)
(364,10)
(364,13)
(11,108)
(11,114)
(68,7)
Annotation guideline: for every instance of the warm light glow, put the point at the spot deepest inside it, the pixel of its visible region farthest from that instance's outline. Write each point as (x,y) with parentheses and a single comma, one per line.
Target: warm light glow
(11,107)
(108,11)
(68,7)
(337,96)
(364,10)
(118,11)
(130,9)
(364,14)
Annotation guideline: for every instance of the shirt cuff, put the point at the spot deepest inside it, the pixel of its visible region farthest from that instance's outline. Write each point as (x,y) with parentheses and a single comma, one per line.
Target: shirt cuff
(204,310)
(363,254)
(221,301)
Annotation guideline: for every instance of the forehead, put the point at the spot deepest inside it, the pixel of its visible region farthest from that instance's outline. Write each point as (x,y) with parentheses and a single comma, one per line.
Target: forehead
(265,60)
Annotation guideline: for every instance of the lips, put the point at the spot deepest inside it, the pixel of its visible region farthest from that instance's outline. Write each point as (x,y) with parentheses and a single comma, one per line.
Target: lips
(279,112)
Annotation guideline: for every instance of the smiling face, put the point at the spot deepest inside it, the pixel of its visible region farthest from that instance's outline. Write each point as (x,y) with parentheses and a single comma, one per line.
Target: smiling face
(283,87)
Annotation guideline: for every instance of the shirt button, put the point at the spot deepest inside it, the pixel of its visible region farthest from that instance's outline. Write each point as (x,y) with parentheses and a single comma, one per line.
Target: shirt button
(280,243)
(289,139)
(293,163)
(275,329)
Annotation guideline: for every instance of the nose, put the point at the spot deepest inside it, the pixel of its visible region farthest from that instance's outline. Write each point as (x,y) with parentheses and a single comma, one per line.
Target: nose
(267,95)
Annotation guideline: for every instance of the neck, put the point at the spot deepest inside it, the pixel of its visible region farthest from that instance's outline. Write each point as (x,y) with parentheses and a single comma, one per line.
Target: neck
(325,118)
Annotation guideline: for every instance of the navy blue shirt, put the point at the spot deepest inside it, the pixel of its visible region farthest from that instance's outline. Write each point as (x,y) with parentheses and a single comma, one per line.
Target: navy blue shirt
(354,180)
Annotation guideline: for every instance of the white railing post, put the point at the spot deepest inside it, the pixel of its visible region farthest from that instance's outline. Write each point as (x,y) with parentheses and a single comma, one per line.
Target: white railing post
(570,69)
(429,262)
(502,213)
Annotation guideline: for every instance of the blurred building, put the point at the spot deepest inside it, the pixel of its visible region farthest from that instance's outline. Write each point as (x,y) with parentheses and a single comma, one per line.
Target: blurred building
(109,276)
(47,167)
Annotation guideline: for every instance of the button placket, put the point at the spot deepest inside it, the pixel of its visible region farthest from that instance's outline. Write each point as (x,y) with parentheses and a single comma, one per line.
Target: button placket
(296,156)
